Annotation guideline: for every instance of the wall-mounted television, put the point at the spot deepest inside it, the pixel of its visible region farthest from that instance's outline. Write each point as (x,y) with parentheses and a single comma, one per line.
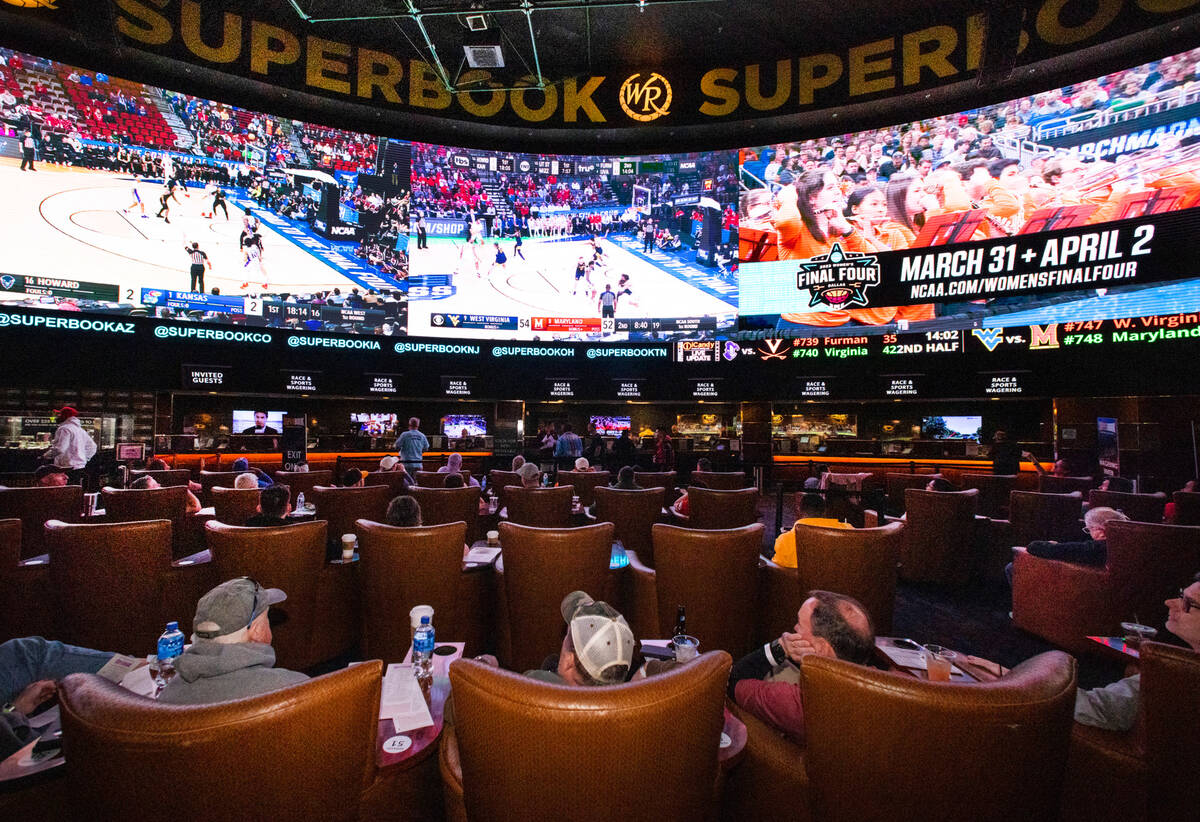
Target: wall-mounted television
(610,426)
(456,426)
(374,424)
(250,421)
(951,428)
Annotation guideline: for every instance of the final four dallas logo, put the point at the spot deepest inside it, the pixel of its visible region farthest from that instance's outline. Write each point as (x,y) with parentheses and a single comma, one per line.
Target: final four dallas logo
(839,279)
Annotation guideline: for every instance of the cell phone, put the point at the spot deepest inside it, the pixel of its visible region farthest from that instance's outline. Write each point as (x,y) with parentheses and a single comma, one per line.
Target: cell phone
(46,749)
(906,644)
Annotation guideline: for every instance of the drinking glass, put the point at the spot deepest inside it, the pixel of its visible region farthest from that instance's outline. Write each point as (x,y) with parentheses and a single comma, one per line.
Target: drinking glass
(1136,633)
(938,662)
(687,648)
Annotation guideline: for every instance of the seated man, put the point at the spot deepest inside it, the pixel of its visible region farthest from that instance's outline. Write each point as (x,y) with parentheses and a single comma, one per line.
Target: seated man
(454,481)
(1115,707)
(582,464)
(245,482)
(812,512)
(625,479)
(454,466)
(765,682)
(148,483)
(353,478)
(29,667)
(517,462)
(243,464)
(231,655)
(274,504)
(404,512)
(598,646)
(1093,551)
(531,475)
(158,464)
(49,476)
(1120,484)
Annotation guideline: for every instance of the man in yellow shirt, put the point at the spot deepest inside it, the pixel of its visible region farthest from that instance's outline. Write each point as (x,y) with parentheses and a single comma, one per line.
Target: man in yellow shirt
(812,512)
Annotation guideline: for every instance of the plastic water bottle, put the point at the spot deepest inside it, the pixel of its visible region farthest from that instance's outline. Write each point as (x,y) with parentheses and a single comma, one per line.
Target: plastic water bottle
(300,501)
(423,650)
(170,646)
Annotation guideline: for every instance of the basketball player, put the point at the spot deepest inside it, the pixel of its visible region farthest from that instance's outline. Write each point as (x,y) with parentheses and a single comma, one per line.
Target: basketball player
(517,248)
(501,260)
(199,261)
(253,248)
(218,202)
(625,289)
(580,273)
(137,200)
(164,210)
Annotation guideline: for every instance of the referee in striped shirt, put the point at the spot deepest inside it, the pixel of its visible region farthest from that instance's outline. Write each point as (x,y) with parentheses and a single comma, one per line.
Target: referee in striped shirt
(199,261)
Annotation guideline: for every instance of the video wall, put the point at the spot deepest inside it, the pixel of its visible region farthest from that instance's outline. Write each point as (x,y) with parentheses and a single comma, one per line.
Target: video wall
(1067,211)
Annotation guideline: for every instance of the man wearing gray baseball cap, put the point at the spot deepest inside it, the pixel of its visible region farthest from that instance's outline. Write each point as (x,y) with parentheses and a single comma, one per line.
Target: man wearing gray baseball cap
(598,647)
(231,655)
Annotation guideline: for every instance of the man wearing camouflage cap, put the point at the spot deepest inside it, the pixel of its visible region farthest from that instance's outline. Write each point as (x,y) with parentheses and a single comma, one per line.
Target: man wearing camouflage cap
(231,655)
(598,647)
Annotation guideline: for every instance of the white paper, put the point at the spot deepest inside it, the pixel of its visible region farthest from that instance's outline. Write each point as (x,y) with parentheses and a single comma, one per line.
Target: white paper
(483,555)
(47,718)
(140,682)
(120,666)
(656,643)
(401,700)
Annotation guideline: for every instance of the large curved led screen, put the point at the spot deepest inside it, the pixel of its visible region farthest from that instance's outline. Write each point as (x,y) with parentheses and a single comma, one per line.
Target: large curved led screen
(1071,206)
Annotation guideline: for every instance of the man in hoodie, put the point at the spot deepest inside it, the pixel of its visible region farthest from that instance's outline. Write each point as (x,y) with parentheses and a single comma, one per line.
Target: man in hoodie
(231,655)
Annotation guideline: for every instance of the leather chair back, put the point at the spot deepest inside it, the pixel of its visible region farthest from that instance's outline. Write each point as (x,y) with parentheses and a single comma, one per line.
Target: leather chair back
(136,505)
(994,491)
(656,479)
(719,480)
(540,507)
(714,575)
(1147,562)
(1050,484)
(1187,508)
(896,484)
(938,543)
(497,481)
(35,507)
(857,562)
(584,483)
(233,506)
(1171,712)
(444,505)
(722,509)
(395,481)
(304,752)
(1035,515)
(633,514)
(1138,507)
(405,567)
(289,557)
(432,479)
(23,610)
(168,478)
(998,748)
(18,479)
(590,754)
(108,584)
(303,482)
(541,566)
(211,479)
(342,507)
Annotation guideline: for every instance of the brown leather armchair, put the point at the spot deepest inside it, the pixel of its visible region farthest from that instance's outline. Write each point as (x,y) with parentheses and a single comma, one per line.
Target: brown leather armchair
(342,507)
(584,483)
(319,618)
(211,479)
(1138,507)
(137,505)
(540,507)
(25,608)
(1187,508)
(1050,484)
(497,481)
(166,478)
(304,752)
(996,748)
(770,784)
(303,482)
(656,479)
(633,514)
(584,754)
(722,509)
(896,484)
(539,567)
(713,574)
(233,506)
(938,545)
(994,491)
(37,506)
(113,586)
(719,480)
(1065,603)
(1147,773)
(436,479)
(1032,515)
(395,481)
(858,562)
(442,505)
(405,567)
